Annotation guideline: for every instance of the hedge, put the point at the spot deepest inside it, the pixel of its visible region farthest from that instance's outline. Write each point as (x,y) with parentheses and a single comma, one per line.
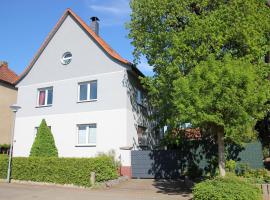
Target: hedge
(228,188)
(60,170)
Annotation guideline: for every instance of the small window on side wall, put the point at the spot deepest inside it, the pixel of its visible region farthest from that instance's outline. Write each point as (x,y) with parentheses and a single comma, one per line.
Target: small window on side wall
(87,91)
(45,96)
(139,97)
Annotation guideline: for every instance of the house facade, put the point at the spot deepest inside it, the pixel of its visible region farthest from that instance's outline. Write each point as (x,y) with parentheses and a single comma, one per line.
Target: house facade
(8,95)
(90,96)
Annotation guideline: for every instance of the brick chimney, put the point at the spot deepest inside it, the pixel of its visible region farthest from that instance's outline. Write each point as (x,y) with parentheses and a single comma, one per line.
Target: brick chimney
(94,25)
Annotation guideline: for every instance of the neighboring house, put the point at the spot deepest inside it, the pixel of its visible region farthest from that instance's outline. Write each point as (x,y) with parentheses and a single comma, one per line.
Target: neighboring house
(89,95)
(8,95)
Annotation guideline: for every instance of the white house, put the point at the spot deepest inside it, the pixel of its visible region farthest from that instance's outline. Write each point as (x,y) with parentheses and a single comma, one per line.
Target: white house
(89,95)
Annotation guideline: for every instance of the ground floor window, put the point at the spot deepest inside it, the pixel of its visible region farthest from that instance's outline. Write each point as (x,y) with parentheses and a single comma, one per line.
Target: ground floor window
(87,134)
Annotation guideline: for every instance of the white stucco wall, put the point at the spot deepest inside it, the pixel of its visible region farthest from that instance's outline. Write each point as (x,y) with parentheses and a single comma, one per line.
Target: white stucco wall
(112,112)
(111,133)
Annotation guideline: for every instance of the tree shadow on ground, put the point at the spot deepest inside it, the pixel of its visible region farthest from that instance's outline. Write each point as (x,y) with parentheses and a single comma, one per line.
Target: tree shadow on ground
(172,187)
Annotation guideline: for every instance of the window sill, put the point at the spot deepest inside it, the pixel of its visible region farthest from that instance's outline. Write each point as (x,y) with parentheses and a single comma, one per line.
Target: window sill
(92,100)
(85,145)
(44,106)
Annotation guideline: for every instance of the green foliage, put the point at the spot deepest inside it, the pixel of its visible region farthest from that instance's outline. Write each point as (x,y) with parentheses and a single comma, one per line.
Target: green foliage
(185,33)
(5,146)
(242,168)
(44,145)
(231,166)
(60,170)
(265,152)
(228,188)
(229,93)
(258,176)
(111,154)
(3,166)
(176,36)
(208,59)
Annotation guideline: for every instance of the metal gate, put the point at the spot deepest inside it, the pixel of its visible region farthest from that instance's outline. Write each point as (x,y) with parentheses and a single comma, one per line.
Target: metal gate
(171,164)
(155,164)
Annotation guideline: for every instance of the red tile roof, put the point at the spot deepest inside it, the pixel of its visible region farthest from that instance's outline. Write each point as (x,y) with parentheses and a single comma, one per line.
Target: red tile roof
(113,54)
(7,75)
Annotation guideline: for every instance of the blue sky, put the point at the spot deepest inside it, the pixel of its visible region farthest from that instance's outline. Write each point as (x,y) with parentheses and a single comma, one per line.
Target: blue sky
(26,23)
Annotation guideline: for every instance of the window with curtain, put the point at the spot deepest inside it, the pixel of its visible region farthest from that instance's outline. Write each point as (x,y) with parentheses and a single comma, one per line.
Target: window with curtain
(45,96)
(87,91)
(87,134)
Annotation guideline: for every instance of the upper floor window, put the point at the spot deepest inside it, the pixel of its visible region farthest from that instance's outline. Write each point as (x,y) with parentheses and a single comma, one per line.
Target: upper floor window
(45,96)
(88,91)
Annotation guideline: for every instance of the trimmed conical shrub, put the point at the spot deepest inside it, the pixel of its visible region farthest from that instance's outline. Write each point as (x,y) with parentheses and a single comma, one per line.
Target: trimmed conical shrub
(44,145)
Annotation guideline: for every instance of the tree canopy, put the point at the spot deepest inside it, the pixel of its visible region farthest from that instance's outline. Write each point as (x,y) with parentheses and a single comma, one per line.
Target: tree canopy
(208,59)
(175,36)
(228,93)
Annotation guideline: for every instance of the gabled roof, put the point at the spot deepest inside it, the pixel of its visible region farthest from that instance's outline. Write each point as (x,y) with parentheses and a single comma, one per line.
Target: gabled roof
(7,75)
(107,49)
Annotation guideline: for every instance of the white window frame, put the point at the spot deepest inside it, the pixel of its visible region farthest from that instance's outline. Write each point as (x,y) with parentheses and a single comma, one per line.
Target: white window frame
(46,96)
(88,91)
(87,135)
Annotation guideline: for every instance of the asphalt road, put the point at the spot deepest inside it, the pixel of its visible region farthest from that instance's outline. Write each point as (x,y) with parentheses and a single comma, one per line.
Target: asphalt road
(142,189)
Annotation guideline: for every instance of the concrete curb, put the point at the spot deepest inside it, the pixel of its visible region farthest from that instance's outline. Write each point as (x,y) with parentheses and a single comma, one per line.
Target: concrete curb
(106,184)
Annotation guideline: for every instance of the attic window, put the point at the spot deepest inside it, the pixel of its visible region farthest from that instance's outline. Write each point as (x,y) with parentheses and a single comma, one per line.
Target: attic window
(66,58)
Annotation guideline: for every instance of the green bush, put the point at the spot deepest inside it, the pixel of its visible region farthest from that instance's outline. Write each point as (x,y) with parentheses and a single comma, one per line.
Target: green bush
(44,145)
(60,170)
(5,146)
(231,166)
(228,188)
(3,166)
(257,176)
(241,169)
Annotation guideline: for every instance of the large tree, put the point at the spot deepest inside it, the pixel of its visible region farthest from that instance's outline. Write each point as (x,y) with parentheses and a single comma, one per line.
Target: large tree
(223,96)
(185,38)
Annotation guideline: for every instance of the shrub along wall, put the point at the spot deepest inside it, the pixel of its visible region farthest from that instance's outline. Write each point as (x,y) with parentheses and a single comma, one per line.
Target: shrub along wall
(60,170)
(228,188)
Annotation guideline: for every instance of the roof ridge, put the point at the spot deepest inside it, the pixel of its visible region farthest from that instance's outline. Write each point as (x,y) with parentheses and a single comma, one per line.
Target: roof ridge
(109,50)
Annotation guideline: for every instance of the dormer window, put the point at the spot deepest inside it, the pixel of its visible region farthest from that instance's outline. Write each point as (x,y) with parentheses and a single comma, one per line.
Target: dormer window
(66,58)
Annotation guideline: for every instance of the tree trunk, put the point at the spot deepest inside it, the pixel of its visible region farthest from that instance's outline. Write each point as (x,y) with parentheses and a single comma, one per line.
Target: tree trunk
(221,151)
